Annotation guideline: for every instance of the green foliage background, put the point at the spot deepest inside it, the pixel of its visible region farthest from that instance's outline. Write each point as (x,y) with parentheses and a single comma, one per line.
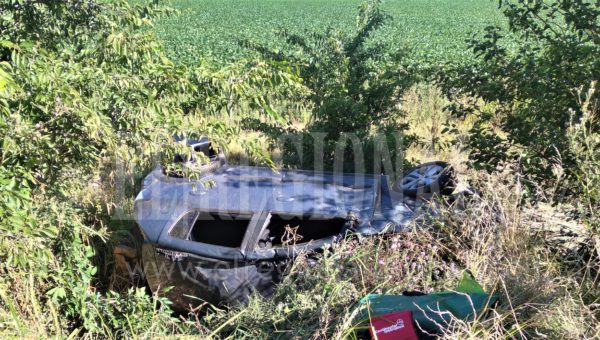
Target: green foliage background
(90,100)
(87,95)
(429,32)
(534,104)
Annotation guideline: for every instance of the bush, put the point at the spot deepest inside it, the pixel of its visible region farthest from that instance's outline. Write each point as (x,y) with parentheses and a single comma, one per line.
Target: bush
(584,144)
(88,101)
(531,81)
(354,92)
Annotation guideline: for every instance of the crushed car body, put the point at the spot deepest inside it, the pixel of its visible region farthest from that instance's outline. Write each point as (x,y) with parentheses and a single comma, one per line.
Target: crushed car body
(230,232)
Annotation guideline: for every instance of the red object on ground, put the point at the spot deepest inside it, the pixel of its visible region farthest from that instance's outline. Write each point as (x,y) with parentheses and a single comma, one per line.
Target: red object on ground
(393,326)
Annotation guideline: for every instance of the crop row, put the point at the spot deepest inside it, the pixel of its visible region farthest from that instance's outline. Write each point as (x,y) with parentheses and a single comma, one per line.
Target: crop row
(428,31)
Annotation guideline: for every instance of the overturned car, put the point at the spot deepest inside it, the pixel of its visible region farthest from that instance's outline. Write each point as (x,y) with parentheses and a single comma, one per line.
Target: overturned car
(232,231)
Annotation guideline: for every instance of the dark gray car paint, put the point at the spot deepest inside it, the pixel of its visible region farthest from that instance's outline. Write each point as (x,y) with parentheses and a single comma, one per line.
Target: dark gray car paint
(258,191)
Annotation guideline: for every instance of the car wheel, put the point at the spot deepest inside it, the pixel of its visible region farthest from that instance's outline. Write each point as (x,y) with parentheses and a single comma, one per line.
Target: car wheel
(427,179)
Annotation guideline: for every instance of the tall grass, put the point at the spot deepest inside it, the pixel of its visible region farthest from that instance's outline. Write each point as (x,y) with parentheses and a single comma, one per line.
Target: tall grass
(487,233)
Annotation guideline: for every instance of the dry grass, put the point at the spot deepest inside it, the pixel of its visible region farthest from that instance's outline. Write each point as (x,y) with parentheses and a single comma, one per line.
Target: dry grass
(492,234)
(487,233)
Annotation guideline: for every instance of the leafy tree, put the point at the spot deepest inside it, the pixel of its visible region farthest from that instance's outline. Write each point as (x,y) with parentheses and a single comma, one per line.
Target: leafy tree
(87,93)
(531,81)
(354,91)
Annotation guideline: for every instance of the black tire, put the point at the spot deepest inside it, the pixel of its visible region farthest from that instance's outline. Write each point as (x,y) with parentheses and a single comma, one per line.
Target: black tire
(427,179)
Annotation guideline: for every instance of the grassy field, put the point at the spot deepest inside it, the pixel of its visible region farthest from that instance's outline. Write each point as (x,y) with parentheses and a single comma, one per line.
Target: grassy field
(430,31)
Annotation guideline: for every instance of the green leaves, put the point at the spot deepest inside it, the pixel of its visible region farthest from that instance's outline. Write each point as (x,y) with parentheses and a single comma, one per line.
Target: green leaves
(534,78)
(433,31)
(89,101)
(6,80)
(469,285)
(230,88)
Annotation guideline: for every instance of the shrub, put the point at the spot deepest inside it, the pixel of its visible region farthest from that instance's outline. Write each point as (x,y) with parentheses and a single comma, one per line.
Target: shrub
(530,81)
(87,97)
(584,144)
(354,93)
